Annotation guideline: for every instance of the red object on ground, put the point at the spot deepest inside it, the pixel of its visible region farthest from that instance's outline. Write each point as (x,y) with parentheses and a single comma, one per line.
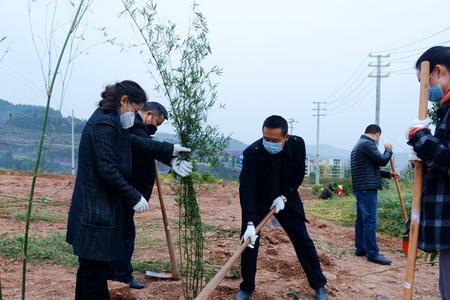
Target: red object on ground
(340,191)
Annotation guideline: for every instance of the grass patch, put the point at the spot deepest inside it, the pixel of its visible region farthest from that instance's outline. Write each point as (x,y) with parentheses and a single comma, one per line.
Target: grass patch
(149,242)
(42,216)
(343,210)
(52,248)
(221,233)
(16,209)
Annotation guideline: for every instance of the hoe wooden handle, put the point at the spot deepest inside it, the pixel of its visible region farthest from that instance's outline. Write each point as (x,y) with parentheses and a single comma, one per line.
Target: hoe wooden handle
(214,282)
(417,191)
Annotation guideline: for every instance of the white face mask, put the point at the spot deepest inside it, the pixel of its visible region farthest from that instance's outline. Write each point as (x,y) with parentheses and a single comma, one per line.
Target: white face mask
(127,119)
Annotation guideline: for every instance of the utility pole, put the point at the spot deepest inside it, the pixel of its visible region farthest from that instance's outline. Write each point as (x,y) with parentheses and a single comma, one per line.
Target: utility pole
(318,113)
(378,76)
(73,145)
(292,121)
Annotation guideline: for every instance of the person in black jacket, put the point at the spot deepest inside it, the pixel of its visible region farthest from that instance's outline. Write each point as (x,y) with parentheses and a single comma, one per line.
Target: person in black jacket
(272,171)
(147,120)
(94,227)
(366,161)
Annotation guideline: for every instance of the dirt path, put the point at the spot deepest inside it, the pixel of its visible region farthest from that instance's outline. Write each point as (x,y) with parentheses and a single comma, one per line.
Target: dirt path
(278,269)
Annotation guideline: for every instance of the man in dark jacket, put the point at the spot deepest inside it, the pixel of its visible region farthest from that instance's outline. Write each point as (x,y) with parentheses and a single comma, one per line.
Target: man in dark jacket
(152,115)
(272,171)
(366,161)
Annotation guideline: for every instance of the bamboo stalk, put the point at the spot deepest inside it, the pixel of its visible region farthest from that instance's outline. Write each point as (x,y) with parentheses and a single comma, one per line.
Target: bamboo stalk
(78,16)
(417,191)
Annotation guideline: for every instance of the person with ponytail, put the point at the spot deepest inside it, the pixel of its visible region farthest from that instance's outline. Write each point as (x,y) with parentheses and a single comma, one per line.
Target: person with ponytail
(102,185)
(434,151)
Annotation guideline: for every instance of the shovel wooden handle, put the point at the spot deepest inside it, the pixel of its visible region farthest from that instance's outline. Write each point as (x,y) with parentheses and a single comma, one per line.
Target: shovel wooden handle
(417,191)
(399,192)
(214,282)
(173,261)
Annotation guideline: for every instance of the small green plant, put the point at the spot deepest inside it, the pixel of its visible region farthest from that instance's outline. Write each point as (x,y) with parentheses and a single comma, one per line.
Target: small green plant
(316,190)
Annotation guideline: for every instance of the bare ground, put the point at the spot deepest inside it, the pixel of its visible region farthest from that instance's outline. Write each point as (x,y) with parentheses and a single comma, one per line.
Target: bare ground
(279,272)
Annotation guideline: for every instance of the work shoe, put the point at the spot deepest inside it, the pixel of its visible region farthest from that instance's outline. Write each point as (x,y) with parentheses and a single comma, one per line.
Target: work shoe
(136,284)
(380,259)
(360,253)
(241,295)
(321,294)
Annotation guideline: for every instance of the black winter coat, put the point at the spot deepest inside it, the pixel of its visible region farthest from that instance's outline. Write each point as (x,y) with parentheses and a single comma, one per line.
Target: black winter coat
(104,168)
(144,168)
(366,161)
(258,181)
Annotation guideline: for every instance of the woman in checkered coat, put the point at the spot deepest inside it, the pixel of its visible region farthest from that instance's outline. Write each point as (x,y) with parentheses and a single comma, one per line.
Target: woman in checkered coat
(434,151)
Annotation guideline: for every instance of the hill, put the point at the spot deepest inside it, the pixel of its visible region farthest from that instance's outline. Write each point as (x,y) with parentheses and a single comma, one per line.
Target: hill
(19,134)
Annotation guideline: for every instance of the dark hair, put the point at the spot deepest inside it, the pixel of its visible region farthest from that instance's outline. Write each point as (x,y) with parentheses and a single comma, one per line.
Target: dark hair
(111,95)
(276,122)
(157,108)
(373,129)
(438,55)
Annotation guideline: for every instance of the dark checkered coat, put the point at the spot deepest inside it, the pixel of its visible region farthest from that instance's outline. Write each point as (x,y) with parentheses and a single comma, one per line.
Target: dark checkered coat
(434,150)
(104,167)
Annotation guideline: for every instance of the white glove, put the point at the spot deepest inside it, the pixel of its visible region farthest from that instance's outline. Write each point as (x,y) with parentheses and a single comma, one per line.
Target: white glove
(250,233)
(278,203)
(181,167)
(418,124)
(413,155)
(141,206)
(177,149)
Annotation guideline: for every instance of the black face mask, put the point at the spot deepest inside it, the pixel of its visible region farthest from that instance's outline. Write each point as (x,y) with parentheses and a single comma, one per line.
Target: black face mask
(152,129)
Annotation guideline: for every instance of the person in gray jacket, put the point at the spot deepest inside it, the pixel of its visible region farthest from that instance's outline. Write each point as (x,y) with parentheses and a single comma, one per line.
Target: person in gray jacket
(366,161)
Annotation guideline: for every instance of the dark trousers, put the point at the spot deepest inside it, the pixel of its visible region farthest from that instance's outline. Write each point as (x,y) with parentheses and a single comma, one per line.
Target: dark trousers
(444,274)
(122,270)
(295,228)
(366,222)
(92,280)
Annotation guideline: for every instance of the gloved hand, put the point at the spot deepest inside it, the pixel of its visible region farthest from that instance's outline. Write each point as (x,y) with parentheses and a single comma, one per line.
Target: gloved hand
(177,149)
(278,203)
(141,206)
(250,233)
(416,126)
(181,167)
(413,155)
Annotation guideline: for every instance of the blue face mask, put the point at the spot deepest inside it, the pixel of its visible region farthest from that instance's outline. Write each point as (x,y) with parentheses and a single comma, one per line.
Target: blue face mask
(435,93)
(272,148)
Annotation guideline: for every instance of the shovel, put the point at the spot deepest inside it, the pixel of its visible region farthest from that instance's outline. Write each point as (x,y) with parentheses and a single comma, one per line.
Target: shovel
(402,205)
(214,282)
(174,275)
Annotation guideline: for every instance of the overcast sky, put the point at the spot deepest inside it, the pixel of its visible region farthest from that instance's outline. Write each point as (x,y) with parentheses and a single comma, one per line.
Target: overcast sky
(277,57)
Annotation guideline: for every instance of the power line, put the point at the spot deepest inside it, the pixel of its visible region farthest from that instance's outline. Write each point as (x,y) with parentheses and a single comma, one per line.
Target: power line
(345,82)
(367,90)
(392,50)
(344,100)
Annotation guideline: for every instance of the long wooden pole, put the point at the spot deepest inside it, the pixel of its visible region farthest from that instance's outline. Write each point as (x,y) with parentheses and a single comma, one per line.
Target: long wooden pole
(399,192)
(173,261)
(417,191)
(214,282)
